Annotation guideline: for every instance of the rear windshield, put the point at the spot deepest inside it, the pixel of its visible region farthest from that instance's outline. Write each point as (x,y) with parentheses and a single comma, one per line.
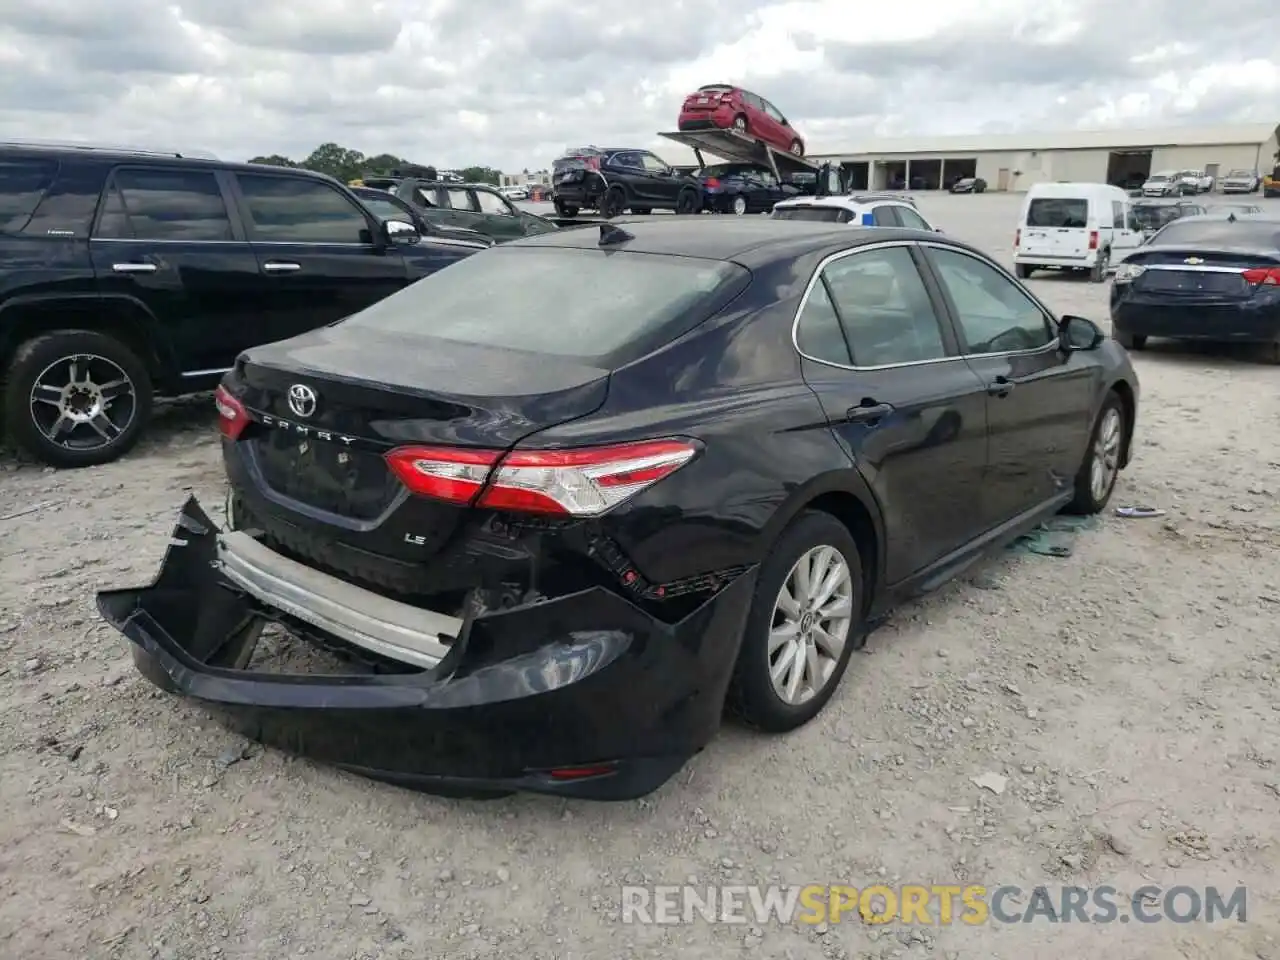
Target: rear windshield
(1240,173)
(813,214)
(384,209)
(715,88)
(1058,212)
(1222,233)
(595,306)
(1158,178)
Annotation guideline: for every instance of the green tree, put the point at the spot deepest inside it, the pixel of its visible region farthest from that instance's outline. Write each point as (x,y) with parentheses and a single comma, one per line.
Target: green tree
(341,163)
(274,160)
(481,175)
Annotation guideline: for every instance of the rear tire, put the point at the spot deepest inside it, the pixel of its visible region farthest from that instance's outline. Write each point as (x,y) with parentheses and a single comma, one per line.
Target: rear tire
(564,210)
(740,123)
(613,203)
(739,205)
(72,374)
(1023,271)
(753,696)
(797,148)
(1098,273)
(1096,480)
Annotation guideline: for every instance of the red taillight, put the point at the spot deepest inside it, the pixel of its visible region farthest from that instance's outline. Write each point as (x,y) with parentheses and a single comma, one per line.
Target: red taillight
(452,474)
(712,182)
(1269,276)
(1093,239)
(232,416)
(1017,237)
(573,483)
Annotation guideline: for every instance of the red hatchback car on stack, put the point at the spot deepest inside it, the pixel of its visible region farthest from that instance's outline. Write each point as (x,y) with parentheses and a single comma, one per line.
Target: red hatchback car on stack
(725,107)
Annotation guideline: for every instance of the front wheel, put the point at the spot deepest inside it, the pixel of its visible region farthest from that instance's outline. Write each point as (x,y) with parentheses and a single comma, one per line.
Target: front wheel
(739,205)
(1101,467)
(804,623)
(1023,271)
(797,148)
(76,398)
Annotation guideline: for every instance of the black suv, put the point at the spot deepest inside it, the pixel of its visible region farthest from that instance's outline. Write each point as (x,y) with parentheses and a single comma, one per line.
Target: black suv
(126,274)
(614,179)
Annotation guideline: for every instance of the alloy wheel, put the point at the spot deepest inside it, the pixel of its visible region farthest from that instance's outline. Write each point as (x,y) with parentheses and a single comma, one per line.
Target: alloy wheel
(83,402)
(1106,454)
(810,626)
(739,205)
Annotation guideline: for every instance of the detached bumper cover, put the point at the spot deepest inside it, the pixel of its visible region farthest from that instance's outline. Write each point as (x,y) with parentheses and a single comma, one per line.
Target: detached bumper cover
(583,680)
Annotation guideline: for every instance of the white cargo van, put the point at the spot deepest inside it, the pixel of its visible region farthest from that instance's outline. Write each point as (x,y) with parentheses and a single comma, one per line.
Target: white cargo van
(1074,226)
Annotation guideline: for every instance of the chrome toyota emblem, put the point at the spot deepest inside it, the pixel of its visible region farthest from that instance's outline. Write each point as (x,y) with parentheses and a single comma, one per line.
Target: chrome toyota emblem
(1194,261)
(302,400)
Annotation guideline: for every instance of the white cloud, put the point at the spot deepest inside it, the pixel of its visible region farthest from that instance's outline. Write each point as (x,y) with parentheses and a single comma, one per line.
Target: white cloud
(512,82)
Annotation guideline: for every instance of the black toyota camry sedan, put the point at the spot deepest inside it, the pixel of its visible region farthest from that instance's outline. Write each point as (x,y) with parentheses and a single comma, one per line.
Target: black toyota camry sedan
(1208,278)
(557,506)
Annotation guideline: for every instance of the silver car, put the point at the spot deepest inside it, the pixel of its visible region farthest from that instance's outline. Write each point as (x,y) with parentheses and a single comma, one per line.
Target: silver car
(1241,181)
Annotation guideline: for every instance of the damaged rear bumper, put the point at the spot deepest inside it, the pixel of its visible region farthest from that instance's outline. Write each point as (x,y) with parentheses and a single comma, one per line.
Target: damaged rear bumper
(585,695)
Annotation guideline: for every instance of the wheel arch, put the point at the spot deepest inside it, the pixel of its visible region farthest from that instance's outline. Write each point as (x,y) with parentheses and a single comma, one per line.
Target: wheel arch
(125,318)
(846,496)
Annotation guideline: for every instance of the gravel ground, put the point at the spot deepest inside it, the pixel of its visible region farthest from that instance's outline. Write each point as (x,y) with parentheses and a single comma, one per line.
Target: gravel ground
(1127,693)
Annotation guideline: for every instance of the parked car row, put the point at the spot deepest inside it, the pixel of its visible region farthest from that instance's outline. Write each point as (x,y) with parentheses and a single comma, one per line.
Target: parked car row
(129,275)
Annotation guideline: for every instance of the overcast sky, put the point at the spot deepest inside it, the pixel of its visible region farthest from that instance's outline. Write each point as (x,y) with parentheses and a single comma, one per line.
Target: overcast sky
(510,83)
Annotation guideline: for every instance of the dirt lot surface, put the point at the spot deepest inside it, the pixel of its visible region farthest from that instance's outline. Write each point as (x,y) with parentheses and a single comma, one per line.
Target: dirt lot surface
(1125,693)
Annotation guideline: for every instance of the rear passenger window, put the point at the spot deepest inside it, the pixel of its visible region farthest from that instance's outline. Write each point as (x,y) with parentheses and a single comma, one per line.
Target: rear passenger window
(164,205)
(22,184)
(912,219)
(886,217)
(460,199)
(818,333)
(298,210)
(995,315)
(884,308)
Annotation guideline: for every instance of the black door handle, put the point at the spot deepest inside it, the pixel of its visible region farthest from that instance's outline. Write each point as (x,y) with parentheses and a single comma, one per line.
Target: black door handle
(868,412)
(1000,387)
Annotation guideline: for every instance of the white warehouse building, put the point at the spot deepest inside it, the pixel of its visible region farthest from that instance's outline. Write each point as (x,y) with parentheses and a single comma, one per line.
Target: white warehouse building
(1016,161)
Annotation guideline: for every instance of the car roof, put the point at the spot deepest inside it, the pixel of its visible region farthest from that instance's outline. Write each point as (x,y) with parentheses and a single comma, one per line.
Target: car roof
(123,156)
(750,241)
(855,203)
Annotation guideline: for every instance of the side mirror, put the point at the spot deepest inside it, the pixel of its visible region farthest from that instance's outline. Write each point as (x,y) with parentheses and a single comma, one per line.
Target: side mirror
(938,230)
(1078,333)
(400,233)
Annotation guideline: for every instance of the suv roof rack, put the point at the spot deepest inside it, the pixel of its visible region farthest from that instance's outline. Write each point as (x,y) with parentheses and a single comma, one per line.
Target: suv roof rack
(109,148)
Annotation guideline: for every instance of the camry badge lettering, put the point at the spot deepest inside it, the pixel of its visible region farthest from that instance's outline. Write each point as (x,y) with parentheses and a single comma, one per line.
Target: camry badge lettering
(302,400)
(303,431)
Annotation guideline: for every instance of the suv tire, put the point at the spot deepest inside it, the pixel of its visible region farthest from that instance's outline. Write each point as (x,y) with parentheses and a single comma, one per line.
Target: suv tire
(687,201)
(1023,271)
(564,210)
(613,203)
(78,371)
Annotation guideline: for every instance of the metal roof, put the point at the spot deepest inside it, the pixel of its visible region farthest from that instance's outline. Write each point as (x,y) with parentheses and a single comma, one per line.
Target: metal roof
(1249,133)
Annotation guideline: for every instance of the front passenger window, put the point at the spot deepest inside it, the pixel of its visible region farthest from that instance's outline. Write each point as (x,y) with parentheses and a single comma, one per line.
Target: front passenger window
(995,316)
